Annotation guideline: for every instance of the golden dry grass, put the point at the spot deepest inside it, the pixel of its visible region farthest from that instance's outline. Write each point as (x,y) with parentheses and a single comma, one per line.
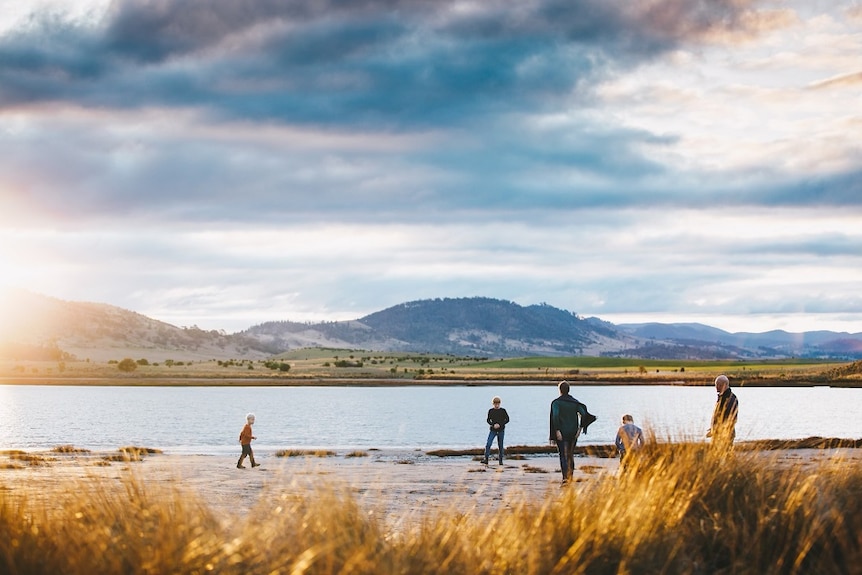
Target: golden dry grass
(305,453)
(677,509)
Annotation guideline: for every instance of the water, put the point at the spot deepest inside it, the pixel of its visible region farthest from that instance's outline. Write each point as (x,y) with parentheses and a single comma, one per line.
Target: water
(208,420)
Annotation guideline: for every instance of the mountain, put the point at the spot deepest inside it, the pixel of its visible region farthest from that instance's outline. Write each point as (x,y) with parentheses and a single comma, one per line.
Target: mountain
(39,327)
(769,344)
(495,328)
(465,326)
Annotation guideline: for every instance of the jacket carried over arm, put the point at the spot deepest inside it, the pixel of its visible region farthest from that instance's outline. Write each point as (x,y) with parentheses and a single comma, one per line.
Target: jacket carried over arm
(566,416)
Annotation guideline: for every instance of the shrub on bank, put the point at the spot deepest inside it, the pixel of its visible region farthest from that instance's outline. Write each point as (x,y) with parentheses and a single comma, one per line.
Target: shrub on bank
(128,365)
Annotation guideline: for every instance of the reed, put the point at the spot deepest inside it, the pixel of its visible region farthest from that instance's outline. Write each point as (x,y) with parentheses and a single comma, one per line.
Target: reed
(677,508)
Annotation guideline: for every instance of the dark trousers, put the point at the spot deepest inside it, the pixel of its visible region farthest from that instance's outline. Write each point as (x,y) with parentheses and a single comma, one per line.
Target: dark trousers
(246,452)
(566,447)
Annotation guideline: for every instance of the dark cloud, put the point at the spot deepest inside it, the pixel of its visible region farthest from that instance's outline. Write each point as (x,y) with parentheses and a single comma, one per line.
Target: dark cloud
(52,60)
(835,189)
(386,63)
(839,243)
(376,67)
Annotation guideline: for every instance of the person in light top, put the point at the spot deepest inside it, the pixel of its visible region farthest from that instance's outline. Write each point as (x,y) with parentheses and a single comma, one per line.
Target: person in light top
(629,438)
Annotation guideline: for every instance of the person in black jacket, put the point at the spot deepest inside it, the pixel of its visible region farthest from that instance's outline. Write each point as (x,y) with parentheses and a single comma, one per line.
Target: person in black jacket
(497,419)
(723,430)
(568,419)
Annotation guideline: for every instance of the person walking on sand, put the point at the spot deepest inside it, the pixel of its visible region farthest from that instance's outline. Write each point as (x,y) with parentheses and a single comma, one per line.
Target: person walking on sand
(629,439)
(724,415)
(497,419)
(567,419)
(245,438)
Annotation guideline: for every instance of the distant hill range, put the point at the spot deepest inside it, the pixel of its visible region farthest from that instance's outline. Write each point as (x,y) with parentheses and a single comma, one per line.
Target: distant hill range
(34,326)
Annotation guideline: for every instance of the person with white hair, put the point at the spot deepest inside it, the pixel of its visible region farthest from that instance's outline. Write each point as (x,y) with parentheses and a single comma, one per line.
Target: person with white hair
(724,415)
(245,438)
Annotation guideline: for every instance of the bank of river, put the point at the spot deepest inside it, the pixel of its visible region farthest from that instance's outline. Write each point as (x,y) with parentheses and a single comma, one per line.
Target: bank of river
(264,381)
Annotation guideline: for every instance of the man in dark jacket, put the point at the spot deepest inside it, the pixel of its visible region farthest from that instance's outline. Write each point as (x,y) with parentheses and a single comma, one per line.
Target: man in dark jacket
(723,430)
(567,415)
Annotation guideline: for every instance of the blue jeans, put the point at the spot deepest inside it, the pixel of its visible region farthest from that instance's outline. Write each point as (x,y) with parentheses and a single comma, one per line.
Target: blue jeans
(498,433)
(566,447)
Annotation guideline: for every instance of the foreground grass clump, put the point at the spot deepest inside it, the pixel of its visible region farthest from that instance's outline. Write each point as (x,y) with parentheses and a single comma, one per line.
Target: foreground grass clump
(677,509)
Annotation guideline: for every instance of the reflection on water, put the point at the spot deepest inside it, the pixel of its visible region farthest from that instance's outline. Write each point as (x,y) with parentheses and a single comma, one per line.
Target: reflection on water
(208,419)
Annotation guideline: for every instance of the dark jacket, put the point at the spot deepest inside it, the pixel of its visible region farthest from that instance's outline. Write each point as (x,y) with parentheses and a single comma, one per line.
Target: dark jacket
(566,416)
(497,415)
(725,412)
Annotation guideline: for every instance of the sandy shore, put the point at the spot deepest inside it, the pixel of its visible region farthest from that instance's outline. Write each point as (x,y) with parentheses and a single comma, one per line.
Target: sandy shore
(402,484)
(395,482)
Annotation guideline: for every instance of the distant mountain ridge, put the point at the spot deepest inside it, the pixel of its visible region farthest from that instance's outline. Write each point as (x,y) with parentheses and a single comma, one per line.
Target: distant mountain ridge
(466,326)
(40,327)
(769,344)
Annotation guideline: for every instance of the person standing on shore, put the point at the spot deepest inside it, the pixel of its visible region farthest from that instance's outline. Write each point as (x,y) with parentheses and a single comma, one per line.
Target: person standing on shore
(245,438)
(497,419)
(567,419)
(629,439)
(724,415)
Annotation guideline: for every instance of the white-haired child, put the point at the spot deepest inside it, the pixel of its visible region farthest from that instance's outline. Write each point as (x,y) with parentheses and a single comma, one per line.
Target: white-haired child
(245,438)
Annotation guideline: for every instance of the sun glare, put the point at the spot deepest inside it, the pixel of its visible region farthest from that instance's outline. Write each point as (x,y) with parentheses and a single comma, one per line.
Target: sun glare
(13,276)
(10,276)
(7,309)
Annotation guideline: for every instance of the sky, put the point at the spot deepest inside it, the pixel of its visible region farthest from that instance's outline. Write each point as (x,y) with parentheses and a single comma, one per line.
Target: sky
(220,164)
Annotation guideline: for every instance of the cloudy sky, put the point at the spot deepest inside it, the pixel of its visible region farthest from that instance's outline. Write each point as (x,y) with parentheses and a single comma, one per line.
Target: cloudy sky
(221,163)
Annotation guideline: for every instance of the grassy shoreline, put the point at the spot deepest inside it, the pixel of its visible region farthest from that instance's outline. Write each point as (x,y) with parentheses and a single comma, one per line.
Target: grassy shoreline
(678,508)
(329,367)
(193,381)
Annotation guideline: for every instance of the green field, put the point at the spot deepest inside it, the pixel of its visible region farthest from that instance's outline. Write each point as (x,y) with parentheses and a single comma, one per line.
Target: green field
(662,364)
(345,366)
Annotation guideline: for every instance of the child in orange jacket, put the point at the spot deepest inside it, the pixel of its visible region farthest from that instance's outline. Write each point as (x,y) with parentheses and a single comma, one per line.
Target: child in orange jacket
(245,438)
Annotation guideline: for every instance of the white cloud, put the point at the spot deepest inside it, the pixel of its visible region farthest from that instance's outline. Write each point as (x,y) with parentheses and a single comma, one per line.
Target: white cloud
(748,106)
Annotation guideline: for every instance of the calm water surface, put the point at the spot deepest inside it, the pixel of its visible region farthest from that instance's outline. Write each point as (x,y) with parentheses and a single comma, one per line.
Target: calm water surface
(209,419)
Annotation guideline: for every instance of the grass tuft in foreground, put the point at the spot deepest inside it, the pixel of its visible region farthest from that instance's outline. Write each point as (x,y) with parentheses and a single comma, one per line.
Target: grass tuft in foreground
(677,509)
